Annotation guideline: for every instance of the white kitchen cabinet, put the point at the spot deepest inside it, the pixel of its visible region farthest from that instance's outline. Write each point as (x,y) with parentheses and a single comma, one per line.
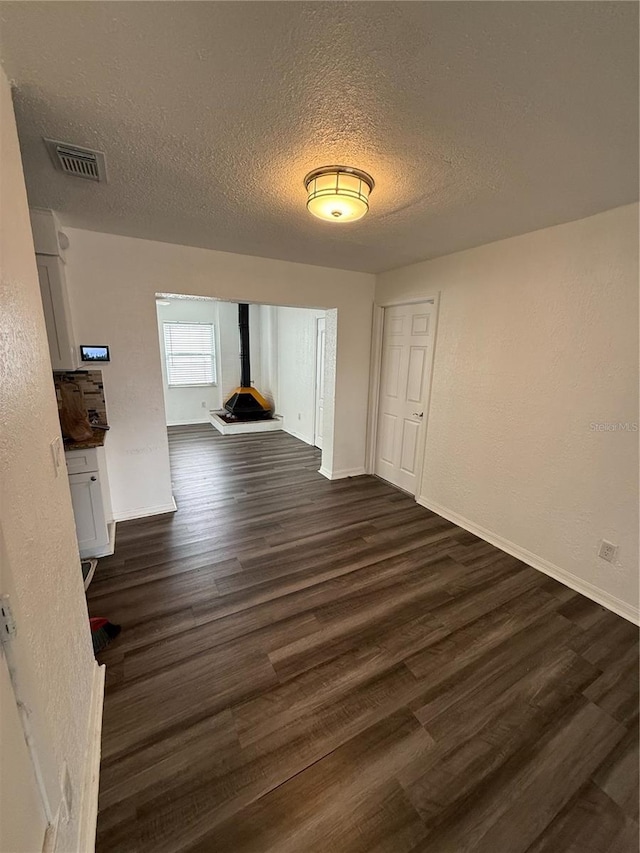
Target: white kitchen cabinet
(91,502)
(57,314)
(48,239)
(88,510)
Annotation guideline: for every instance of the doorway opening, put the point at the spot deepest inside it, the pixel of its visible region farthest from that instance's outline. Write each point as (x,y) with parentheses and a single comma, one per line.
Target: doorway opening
(206,355)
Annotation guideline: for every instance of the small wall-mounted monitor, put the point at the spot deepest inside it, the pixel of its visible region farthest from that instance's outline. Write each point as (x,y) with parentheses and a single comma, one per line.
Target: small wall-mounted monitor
(94,353)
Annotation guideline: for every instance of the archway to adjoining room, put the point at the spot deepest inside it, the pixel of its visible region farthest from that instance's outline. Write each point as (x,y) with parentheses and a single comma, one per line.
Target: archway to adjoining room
(291,369)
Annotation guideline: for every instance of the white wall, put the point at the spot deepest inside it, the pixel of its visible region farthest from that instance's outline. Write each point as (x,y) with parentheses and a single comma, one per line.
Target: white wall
(296,370)
(185,405)
(39,561)
(538,339)
(255,343)
(113,281)
(268,356)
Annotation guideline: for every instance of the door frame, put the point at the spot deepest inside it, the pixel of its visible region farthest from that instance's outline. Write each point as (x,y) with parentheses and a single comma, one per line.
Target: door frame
(375,376)
(316,370)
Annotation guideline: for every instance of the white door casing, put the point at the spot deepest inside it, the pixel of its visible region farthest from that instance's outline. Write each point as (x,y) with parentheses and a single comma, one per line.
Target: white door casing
(319,414)
(407,354)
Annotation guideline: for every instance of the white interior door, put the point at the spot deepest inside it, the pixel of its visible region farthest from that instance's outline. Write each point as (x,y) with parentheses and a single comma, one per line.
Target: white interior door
(319,419)
(22,819)
(407,353)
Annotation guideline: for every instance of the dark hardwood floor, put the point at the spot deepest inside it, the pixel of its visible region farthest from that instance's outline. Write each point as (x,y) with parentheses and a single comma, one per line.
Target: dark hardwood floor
(309,666)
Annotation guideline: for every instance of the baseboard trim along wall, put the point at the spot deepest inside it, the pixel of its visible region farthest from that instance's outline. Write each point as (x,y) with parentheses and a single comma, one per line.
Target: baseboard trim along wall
(144,511)
(297,435)
(89,802)
(595,593)
(341,475)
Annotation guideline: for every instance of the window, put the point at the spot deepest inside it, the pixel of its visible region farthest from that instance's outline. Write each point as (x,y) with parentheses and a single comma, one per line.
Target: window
(190,353)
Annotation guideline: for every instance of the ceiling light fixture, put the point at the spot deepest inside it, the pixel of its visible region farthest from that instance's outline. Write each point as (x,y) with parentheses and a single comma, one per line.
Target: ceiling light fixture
(338,193)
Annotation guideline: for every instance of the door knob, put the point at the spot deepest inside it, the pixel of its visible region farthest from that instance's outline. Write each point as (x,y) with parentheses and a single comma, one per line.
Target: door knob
(93,479)
(418,414)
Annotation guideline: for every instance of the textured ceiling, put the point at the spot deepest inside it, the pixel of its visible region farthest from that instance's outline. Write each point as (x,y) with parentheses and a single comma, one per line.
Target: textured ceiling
(478,120)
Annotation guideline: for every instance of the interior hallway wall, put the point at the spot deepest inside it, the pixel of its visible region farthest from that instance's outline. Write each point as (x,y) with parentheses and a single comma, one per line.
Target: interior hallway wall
(536,362)
(39,563)
(296,370)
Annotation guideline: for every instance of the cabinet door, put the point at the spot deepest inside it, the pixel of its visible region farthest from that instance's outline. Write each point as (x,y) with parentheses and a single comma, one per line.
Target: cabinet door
(88,510)
(57,316)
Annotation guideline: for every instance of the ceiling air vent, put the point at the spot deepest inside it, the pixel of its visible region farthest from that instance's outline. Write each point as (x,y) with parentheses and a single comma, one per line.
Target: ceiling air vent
(77,161)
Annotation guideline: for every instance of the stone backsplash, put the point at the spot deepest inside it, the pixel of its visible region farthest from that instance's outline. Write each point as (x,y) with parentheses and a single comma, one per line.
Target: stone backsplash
(90,383)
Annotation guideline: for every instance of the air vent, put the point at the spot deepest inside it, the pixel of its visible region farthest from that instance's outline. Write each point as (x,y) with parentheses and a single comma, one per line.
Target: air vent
(77,161)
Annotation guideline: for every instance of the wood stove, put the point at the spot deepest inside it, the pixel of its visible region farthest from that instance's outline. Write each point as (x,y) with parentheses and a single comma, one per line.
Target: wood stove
(246,403)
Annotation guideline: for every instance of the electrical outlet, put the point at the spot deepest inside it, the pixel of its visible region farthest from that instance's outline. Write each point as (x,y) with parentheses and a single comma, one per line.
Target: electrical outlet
(56,454)
(607,551)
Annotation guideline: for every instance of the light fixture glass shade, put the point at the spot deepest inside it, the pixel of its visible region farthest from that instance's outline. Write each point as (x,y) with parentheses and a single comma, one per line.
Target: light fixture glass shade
(338,193)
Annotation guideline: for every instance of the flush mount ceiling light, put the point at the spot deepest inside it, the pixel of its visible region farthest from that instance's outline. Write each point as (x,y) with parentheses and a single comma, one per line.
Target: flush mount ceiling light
(338,193)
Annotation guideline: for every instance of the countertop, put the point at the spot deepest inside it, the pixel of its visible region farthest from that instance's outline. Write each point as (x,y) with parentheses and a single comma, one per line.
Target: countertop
(97,440)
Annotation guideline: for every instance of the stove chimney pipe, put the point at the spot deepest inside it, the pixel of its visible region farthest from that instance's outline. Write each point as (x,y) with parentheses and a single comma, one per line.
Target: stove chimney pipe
(245,353)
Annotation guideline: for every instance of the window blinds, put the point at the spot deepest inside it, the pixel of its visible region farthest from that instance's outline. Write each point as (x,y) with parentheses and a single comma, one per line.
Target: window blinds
(190,353)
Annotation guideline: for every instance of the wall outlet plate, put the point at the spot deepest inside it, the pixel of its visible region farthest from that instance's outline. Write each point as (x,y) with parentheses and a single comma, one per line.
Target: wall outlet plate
(607,551)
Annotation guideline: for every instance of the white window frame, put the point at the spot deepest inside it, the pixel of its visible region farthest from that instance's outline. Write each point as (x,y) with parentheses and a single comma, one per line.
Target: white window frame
(168,353)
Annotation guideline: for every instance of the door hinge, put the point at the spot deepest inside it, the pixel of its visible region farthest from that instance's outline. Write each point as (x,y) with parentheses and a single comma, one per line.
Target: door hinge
(7,622)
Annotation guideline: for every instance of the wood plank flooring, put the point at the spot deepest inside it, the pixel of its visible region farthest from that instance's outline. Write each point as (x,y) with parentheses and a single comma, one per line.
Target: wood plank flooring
(309,666)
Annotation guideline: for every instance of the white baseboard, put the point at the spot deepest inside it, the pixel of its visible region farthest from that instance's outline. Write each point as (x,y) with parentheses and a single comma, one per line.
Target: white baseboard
(89,801)
(298,435)
(595,593)
(342,474)
(144,511)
